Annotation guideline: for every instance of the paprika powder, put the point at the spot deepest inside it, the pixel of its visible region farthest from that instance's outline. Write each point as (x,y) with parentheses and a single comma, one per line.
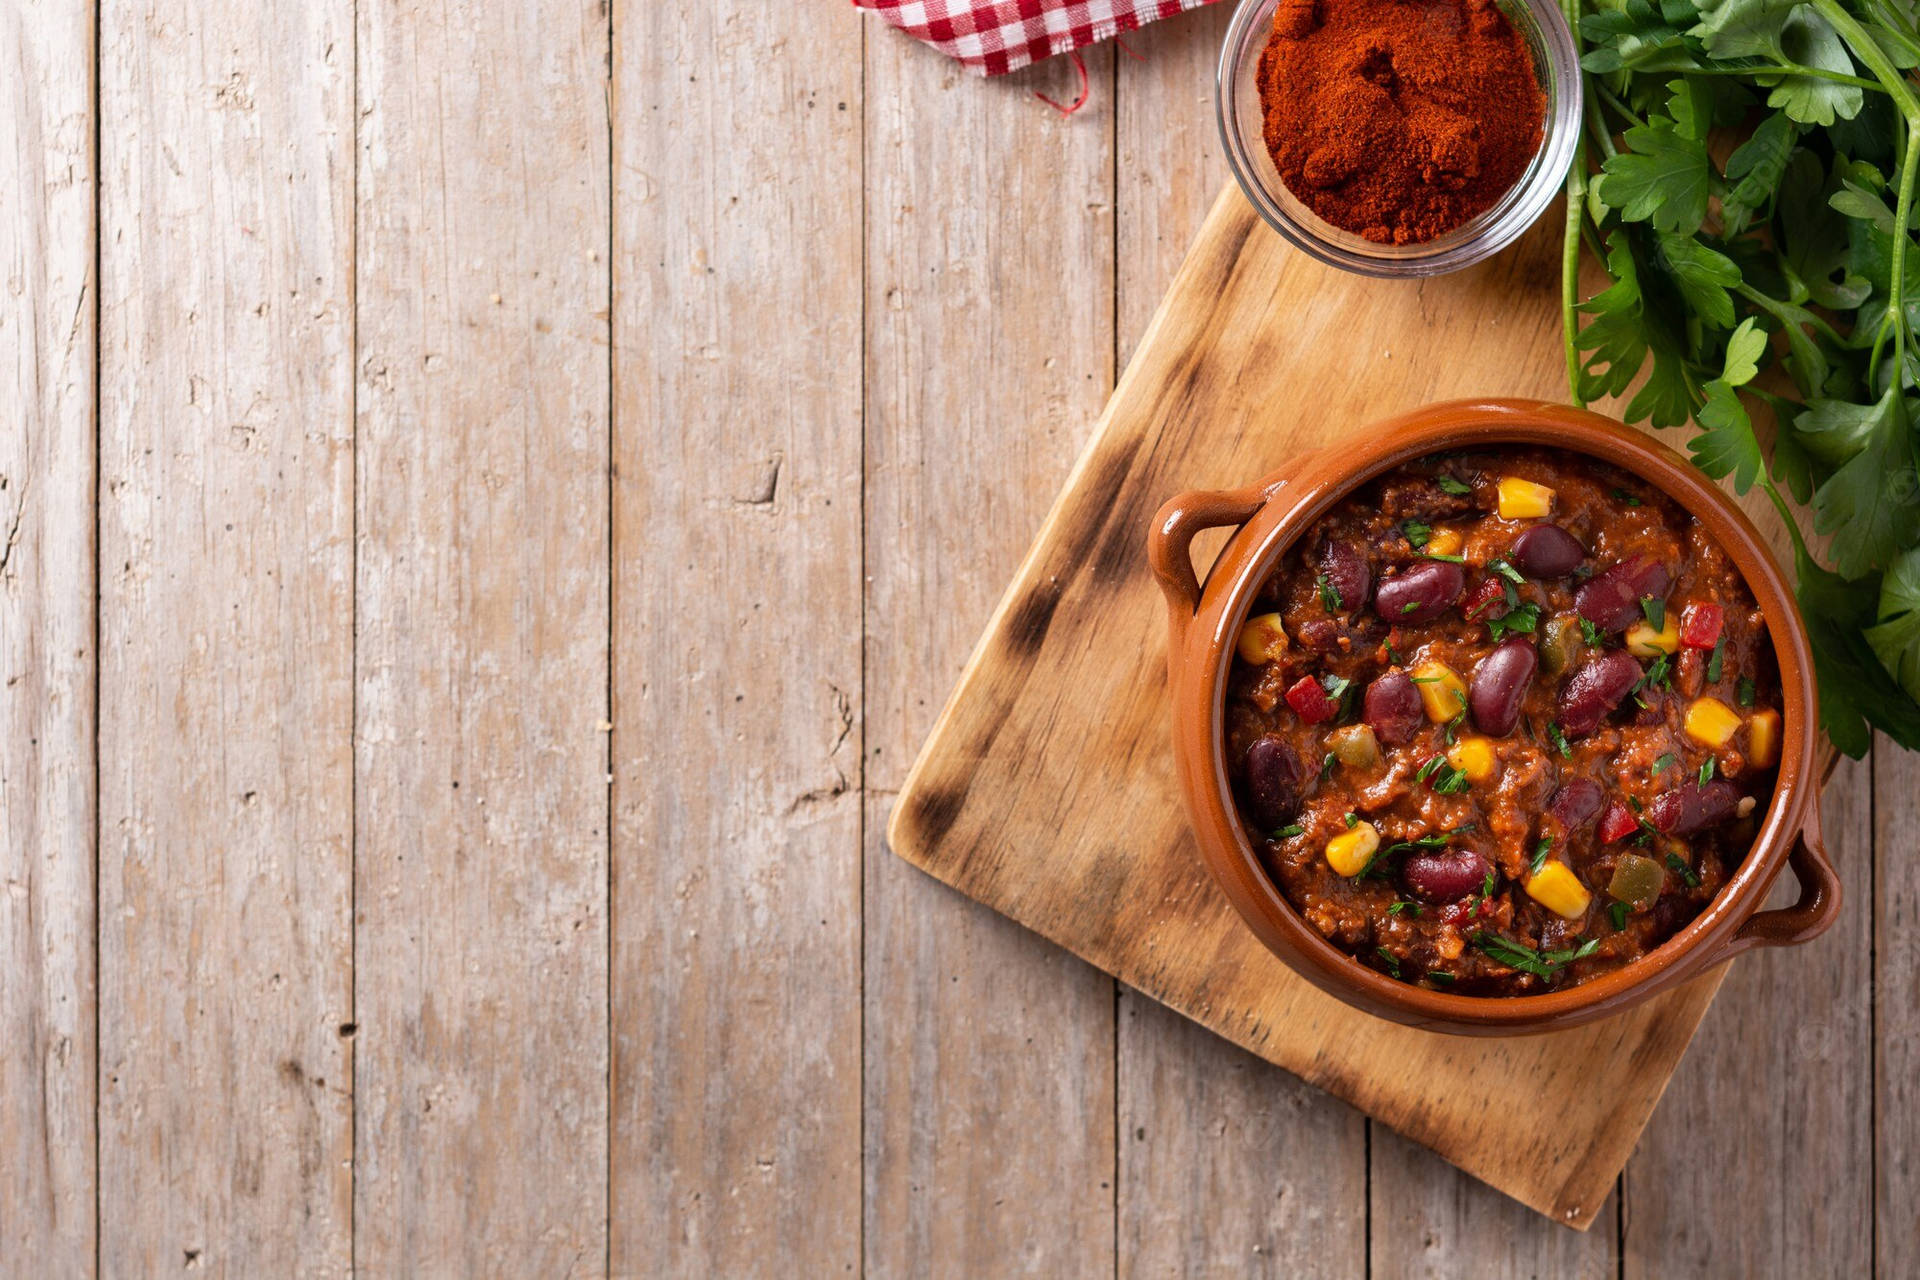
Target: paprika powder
(1399,120)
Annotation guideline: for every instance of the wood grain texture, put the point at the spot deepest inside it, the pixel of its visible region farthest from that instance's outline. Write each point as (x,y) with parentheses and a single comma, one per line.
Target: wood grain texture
(736,981)
(1212,397)
(989,331)
(1429,1219)
(226,817)
(47,350)
(1228,1165)
(1767,1119)
(1895,1004)
(482,770)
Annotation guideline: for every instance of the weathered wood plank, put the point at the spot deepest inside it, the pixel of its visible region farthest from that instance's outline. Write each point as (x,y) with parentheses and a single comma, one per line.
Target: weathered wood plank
(1430,1219)
(1760,1162)
(1228,1165)
(736,980)
(1895,1004)
(989,302)
(226,456)
(483,597)
(47,348)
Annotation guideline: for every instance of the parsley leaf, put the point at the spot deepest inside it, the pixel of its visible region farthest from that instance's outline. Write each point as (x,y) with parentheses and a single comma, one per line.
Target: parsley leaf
(1662,178)
(1896,638)
(1540,852)
(1329,594)
(1679,867)
(1417,533)
(1618,912)
(1541,964)
(1455,487)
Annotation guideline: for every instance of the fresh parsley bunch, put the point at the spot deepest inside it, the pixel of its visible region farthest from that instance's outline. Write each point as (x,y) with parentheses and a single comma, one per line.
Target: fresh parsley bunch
(1747,177)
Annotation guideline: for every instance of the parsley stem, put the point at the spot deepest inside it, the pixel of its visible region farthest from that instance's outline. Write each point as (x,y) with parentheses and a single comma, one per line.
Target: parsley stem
(1784,68)
(1786,315)
(1868,50)
(1570,246)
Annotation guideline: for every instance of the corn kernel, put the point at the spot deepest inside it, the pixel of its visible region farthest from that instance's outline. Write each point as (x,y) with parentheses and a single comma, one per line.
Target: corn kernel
(1349,852)
(1523,499)
(1443,541)
(1473,756)
(1711,722)
(1555,887)
(1263,639)
(1763,739)
(1645,642)
(1442,692)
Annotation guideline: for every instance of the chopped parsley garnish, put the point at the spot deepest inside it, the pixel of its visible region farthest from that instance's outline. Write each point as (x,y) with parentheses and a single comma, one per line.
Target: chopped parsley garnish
(1426,770)
(1678,865)
(1560,743)
(1706,771)
(1326,766)
(1352,820)
(1507,571)
(1618,912)
(1590,633)
(1393,964)
(1450,781)
(1449,485)
(1417,533)
(1329,594)
(1441,555)
(1441,976)
(1392,655)
(1424,679)
(1411,606)
(1743,693)
(1666,761)
(1523,620)
(1406,906)
(1622,495)
(1713,662)
(1541,964)
(1289,831)
(1448,729)
(1540,852)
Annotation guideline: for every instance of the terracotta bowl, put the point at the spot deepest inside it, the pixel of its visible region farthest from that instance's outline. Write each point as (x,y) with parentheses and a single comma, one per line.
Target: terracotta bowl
(1269,515)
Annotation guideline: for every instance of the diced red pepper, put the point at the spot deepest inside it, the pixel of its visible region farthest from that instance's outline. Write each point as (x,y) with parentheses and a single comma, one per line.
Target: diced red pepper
(1700,625)
(1617,823)
(1309,701)
(1488,600)
(1458,913)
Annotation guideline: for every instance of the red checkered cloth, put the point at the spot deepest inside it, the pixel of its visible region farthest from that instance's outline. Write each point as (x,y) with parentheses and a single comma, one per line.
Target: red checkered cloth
(994,37)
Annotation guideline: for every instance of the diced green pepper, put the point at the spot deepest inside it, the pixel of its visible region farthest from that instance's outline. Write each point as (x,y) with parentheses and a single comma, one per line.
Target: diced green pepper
(1561,645)
(1637,881)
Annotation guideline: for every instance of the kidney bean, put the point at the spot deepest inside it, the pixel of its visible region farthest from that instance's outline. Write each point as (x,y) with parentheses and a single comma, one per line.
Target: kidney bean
(1691,807)
(1275,780)
(1347,572)
(1546,551)
(1419,594)
(1392,707)
(1611,599)
(1445,876)
(1488,600)
(1577,803)
(1595,690)
(1500,685)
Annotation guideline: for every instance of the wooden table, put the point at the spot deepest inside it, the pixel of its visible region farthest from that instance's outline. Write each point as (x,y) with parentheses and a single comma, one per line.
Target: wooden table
(493,496)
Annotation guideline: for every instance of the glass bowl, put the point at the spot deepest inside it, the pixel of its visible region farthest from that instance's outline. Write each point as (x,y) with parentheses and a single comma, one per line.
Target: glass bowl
(1555,60)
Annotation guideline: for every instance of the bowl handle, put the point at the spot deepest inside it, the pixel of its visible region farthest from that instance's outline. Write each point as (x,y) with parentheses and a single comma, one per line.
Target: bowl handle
(1817,909)
(1170,542)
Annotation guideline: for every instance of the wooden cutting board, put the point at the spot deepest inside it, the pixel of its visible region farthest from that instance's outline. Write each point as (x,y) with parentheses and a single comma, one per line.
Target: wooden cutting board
(1046,790)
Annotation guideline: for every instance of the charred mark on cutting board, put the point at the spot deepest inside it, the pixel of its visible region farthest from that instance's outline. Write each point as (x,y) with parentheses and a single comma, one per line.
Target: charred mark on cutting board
(1032,614)
(935,809)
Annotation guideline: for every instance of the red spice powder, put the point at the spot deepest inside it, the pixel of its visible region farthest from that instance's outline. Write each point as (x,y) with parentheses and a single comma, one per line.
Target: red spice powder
(1398,120)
